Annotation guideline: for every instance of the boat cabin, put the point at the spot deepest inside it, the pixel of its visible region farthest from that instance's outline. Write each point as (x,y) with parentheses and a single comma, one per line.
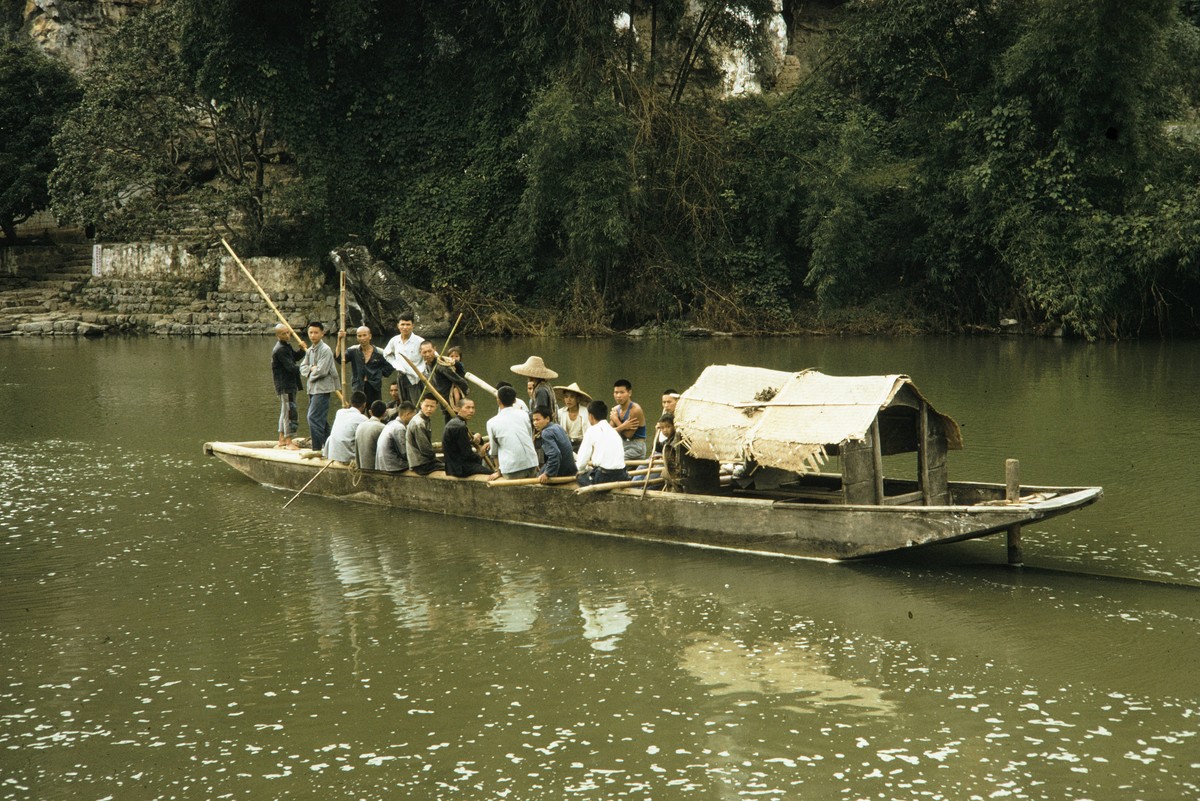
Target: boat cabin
(782,429)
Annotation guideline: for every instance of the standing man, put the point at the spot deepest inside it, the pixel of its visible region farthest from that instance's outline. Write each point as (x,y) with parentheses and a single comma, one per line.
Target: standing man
(319,370)
(367,364)
(459,446)
(601,456)
(391,452)
(510,435)
(408,344)
(538,375)
(366,438)
(628,420)
(418,440)
(556,446)
(442,376)
(287,383)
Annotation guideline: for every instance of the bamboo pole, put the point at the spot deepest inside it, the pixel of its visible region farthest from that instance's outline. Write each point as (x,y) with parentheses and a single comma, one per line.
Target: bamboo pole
(445,404)
(306,486)
(446,344)
(342,338)
(479,382)
(274,308)
(265,296)
(646,480)
(522,482)
(612,485)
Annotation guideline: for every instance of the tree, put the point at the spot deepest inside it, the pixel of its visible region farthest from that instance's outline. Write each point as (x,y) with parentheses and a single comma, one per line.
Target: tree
(35,94)
(148,152)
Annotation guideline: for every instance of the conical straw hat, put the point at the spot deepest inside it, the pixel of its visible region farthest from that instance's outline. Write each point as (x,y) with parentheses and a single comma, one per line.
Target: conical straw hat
(534,367)
(558,394)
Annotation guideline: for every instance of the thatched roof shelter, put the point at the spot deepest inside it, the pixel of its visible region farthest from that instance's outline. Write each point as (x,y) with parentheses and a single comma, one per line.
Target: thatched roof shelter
(792,420)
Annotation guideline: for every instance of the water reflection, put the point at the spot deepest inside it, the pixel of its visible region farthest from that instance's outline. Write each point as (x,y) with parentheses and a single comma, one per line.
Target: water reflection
(166,630)
(729,667)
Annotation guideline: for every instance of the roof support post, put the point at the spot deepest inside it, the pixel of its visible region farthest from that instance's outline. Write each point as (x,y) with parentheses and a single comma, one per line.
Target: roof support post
(877,458)
(923,453)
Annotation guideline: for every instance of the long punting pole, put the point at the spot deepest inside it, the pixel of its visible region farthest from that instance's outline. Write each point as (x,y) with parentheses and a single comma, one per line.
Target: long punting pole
(342,337)
(306,486)
(265,296)
(445,404)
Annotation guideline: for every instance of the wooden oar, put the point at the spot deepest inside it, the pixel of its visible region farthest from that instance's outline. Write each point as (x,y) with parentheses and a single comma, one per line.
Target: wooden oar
(306,486)
(520,482)
(445,404)
(612,485)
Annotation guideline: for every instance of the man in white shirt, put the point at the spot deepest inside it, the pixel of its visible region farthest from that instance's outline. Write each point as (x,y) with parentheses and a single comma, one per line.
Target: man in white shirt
(510,436)
(601,457)
(408,345)
(341,445)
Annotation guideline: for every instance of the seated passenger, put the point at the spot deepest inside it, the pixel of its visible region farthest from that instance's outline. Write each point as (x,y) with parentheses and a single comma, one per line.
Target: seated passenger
(366,438)
(418,440)
(340,447)
(556,446)
(458,446)
(390,453)
(510,436)
(573,416)
(602,453)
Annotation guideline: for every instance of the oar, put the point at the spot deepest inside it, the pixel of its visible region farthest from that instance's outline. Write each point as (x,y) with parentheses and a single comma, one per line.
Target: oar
(612,485)
(306,486)
(520,482)
(445,404)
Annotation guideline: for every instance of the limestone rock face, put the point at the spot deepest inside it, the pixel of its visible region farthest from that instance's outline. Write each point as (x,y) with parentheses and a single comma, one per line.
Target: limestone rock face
(382,295)
(74,31)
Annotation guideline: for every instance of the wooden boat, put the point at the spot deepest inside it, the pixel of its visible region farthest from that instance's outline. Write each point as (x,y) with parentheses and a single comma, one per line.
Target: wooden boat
(780,505)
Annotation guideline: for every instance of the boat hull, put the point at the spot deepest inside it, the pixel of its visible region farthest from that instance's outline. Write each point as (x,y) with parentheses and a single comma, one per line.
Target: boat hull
(754,525)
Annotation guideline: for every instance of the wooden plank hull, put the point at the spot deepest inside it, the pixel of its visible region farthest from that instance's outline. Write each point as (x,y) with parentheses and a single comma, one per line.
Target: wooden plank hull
(761,526)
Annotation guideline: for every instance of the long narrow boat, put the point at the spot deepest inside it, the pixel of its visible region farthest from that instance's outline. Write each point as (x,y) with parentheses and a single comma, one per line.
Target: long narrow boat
(780,504)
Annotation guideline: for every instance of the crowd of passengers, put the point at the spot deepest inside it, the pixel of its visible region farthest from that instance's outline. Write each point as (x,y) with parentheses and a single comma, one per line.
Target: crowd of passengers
(561,432)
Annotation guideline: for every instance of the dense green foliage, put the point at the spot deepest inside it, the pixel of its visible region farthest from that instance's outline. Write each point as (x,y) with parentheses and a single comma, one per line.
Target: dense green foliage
(149,151)
(35,93)
(972,160)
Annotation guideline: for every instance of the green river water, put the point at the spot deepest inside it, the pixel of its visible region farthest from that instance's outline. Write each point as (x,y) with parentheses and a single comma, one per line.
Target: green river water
(168,631)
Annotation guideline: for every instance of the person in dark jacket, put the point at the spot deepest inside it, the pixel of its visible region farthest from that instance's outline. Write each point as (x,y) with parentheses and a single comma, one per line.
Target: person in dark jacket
(556,446)
(458,446)
(286,375)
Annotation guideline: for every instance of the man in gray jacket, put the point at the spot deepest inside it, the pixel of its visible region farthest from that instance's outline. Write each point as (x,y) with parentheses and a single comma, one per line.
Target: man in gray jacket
(319,370)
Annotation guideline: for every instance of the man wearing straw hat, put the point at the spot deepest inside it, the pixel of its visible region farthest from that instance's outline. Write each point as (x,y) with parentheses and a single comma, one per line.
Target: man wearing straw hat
(536,369)
(572,415)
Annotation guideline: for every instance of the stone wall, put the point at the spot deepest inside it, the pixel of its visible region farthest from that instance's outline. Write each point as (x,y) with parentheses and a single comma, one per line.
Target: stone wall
(152,287)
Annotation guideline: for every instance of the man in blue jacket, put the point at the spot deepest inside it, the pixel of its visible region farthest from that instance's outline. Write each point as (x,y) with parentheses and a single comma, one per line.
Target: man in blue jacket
(556,446)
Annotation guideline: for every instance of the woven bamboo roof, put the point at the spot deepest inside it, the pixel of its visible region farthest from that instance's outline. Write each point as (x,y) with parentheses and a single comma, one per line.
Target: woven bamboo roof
(785,420)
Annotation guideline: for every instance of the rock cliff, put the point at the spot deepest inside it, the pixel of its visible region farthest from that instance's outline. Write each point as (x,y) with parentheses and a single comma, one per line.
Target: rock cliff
(75,30)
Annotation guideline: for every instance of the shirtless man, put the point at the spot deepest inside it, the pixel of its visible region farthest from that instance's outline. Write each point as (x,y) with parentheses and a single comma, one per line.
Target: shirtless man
(628,419)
